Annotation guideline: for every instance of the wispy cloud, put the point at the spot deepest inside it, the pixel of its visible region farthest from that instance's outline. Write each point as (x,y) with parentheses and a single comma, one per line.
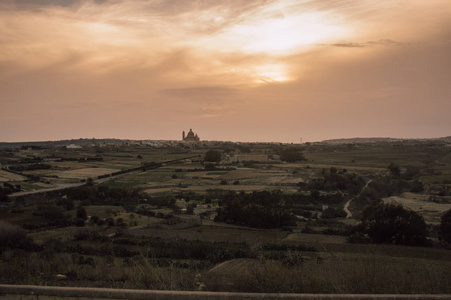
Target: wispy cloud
(382,42)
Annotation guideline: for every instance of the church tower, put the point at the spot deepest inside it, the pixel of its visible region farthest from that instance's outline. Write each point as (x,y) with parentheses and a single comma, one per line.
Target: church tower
(190,136)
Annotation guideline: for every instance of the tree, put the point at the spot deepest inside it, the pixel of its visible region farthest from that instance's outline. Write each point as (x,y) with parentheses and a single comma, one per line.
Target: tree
(212,156)
(90,182)
(394,170)
(292,155)
(445,230)
(262,209)
(81,213)
(4,195)
(387,223)
(190,208)
(331,213)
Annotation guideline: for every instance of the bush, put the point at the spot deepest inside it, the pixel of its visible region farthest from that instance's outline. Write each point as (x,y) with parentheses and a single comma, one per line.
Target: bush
(81,213)
(13,236)
(212,156)
(358,238)
(330,213)
(79,222)
(445,229)
(292,155)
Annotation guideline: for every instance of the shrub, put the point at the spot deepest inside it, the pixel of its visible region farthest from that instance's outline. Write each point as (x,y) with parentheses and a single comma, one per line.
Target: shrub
(13,236)
(330,213)
(292,155)
(445,229)
(358,238)
(79,222)
(212,156)
(81,213)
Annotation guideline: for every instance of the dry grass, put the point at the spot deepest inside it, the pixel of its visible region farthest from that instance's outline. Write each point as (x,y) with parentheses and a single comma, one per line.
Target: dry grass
(8,176)
(338,274)
(232,234)
(85,172)
(431,211)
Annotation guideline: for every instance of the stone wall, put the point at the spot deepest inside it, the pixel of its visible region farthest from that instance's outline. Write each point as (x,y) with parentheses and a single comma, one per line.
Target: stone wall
(29,292)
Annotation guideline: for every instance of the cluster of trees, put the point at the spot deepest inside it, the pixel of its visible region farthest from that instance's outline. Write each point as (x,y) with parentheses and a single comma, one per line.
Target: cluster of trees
(330,213)
(91,195)
(350,183)
(292,155)
(31,167)
(258,209)
(212,156)
(386,223)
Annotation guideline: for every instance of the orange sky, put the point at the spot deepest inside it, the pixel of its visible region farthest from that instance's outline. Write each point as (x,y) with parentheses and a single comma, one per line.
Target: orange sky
(238,70)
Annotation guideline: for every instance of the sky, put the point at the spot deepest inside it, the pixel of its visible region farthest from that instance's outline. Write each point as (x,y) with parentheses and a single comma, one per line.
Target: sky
(232,70)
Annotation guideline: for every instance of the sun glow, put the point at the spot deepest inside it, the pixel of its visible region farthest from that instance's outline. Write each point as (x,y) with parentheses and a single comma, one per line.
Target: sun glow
(270,73)
(285,34)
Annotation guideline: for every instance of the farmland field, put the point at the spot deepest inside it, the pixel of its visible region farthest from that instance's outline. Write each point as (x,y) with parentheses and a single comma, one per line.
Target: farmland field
(162,221)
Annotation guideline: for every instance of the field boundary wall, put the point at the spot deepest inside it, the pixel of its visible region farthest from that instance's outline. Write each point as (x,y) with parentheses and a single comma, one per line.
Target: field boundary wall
(30,292)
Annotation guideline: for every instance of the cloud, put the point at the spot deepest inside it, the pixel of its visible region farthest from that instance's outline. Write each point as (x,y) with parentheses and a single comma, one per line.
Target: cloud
(203,91)
(244,70)
(382,42)
(37,3)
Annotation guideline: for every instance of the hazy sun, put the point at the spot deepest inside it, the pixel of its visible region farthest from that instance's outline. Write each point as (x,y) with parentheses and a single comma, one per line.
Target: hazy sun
(279,36)
(284,34)
(270,73)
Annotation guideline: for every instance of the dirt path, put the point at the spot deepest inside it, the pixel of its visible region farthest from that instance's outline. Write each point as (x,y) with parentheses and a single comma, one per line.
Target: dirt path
(346,207)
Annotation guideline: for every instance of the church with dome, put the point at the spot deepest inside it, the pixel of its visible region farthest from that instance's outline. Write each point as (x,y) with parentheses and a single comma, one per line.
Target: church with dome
(190,137)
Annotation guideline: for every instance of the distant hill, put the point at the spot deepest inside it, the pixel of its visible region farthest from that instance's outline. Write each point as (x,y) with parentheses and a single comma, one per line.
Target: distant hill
(62,143)
(383,140)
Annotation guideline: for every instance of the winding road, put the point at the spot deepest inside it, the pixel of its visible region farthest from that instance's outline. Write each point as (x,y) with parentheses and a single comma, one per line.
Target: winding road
(346,207)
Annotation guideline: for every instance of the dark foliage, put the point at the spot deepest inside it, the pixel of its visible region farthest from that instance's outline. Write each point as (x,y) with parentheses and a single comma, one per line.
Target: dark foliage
(394,170)
(81,213)
(259,209)
(12,236)
(292,155)
(330,213)
(445,229)
(393,224)
(212,156)
(286,247)
(350,183)
(4,194)
(103,195)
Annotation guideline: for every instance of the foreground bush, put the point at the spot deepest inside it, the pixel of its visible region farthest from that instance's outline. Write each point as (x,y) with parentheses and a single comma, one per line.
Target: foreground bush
(445,229)
(12,236)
